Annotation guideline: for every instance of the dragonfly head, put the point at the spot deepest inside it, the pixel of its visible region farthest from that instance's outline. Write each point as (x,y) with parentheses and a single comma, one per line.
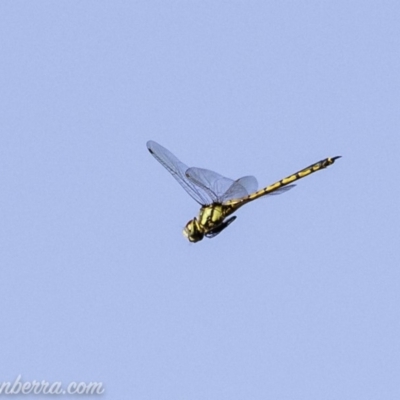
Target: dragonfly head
(193,231)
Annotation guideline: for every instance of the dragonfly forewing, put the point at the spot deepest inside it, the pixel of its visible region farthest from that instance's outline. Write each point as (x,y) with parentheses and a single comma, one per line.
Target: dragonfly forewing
(215,184)
(219,187)
(178,169)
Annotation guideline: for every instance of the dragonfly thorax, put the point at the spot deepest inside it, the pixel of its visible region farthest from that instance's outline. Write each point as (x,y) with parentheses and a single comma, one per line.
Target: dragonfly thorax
(209,219)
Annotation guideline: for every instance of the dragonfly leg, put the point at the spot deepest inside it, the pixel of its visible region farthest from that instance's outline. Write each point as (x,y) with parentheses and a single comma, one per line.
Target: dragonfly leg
(217,230)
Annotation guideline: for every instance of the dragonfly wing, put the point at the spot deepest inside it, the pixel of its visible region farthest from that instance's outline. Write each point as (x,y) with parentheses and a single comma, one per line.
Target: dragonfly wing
(178,169)
(249,183)
(236,191)
(214,184)
(242,187)
(281,190)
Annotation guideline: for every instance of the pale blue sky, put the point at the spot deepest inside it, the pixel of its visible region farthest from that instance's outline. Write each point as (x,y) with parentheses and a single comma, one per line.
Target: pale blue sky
(299,298)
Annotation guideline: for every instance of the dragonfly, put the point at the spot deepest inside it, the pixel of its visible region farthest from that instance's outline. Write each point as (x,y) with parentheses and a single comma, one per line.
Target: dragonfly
(218,196)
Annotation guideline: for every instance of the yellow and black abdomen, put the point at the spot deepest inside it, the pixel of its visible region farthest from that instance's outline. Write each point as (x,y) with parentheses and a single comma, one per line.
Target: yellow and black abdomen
(284,182)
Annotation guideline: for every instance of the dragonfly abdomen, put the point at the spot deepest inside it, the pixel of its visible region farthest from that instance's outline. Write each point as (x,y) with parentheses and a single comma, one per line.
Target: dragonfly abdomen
(285,181)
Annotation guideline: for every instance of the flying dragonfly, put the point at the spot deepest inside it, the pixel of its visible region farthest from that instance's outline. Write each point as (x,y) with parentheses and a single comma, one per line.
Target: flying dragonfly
(218,196)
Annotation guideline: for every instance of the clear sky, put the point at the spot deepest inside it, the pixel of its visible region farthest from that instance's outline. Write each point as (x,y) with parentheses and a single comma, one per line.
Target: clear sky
(300,297)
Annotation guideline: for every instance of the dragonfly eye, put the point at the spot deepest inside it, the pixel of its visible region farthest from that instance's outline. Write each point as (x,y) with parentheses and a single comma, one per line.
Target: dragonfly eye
(193,232)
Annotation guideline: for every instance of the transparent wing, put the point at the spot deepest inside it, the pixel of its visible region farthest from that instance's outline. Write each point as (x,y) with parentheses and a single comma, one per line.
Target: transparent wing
(240,188)
(281,190)
(178,169)
(249,183)
(214,184)
(220,188)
